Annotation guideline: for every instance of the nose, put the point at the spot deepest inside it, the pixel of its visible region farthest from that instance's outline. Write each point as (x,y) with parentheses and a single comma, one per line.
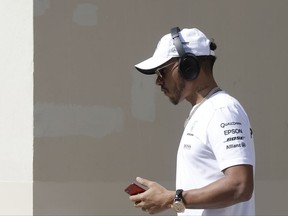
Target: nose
(159,81)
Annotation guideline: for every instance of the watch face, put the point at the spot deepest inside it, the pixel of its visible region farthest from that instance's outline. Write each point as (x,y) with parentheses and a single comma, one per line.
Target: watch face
(179,206)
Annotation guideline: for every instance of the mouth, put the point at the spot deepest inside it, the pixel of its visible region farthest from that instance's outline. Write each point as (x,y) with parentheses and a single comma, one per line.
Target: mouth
(164,90)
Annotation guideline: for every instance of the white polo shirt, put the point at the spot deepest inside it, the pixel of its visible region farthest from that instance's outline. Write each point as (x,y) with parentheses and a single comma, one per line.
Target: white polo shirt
(217,136)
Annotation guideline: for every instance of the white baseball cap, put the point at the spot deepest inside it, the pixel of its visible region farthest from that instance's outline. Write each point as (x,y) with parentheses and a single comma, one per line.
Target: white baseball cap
(193,40)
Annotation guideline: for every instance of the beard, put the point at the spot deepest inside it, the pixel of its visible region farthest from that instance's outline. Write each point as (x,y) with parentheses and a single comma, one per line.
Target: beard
(178,90)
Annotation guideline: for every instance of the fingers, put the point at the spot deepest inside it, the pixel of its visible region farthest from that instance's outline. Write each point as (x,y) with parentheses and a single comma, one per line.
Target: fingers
(144,182)
(150,210)
(140,204)
(146,210)
(141,180)
(136,203)
(135,198)
(147,201)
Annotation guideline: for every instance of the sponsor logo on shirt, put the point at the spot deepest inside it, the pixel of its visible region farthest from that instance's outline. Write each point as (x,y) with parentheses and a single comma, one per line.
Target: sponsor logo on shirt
(232,131)
(190,132)
(223,125)
(238,145)
(187,146)
(229,139)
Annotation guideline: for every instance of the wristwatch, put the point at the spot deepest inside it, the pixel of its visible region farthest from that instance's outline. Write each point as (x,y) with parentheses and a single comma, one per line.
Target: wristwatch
(178,204)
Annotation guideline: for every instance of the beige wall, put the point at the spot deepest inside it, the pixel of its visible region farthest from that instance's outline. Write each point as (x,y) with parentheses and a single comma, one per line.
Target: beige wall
(98,123)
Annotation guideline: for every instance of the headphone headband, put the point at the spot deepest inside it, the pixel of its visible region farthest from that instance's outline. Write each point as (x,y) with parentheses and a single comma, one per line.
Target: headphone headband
(189,66)
(177,41)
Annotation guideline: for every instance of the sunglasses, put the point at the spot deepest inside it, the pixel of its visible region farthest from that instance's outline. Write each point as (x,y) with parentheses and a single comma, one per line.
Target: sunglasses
(160,71)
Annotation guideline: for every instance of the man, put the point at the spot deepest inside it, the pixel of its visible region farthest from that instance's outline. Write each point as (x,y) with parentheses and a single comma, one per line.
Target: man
(215,160)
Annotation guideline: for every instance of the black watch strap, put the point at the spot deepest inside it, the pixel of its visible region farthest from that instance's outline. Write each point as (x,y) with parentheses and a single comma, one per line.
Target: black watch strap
(178,196)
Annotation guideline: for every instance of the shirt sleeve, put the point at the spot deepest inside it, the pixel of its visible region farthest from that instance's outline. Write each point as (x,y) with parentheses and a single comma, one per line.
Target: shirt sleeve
(230,137)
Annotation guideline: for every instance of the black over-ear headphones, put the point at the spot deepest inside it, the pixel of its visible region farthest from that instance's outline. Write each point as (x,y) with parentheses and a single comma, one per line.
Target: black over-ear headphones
(189,67)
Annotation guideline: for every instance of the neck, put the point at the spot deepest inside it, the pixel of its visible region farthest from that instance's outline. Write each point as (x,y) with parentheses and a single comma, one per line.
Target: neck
(200,93)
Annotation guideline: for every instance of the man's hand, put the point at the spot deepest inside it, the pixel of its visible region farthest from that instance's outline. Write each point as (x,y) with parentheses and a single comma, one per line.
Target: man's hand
(155,199)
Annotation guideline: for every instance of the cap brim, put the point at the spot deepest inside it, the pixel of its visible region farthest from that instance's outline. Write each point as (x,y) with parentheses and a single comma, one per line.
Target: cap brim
(148,66)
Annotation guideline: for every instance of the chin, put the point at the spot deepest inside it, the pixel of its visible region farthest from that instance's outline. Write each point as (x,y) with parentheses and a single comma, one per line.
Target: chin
(174,101)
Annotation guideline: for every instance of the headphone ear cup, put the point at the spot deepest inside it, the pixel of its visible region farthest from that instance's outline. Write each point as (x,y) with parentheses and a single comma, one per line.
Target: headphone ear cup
(189,66)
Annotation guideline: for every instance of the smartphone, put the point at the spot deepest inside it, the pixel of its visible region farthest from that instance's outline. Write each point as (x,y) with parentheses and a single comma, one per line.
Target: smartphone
(135,188)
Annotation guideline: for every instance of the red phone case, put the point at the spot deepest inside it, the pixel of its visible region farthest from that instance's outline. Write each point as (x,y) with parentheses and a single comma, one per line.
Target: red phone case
(134,189)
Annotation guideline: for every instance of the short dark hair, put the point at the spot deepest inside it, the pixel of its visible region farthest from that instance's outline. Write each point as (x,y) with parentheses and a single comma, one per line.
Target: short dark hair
(207,62)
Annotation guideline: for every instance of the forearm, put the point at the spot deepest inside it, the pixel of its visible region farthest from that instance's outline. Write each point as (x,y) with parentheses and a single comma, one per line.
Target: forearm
(219,194)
